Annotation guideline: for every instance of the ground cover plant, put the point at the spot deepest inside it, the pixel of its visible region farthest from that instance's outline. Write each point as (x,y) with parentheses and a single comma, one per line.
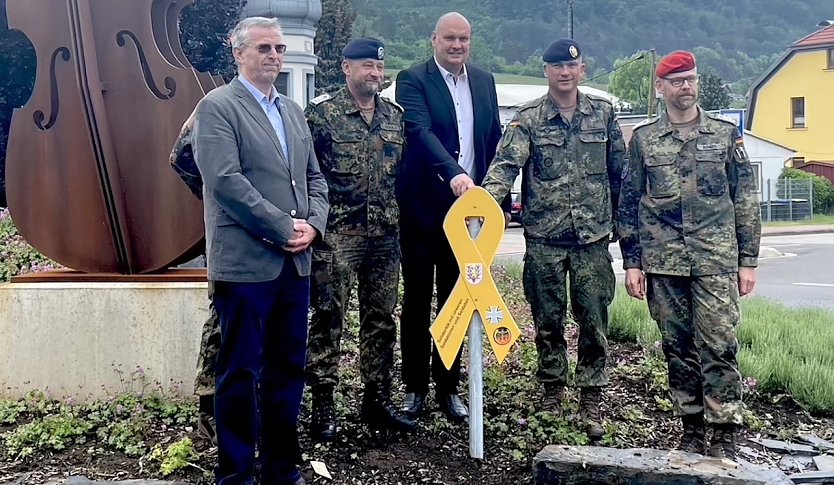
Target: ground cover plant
(146,431)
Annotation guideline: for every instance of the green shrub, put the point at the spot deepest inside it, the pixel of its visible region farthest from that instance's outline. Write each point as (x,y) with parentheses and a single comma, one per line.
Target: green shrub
(823,189)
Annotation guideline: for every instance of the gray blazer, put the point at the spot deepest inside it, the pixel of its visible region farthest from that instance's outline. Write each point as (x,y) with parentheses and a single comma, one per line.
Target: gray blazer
(251,193)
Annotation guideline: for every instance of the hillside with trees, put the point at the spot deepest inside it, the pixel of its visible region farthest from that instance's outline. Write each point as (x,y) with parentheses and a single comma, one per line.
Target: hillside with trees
(738,39)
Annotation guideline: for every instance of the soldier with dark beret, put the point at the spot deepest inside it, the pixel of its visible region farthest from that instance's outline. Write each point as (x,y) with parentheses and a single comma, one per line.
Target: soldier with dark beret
(690,226)
(358,139)
(571,151)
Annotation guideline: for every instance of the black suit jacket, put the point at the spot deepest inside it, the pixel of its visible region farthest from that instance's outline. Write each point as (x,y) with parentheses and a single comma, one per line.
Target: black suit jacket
(432,141)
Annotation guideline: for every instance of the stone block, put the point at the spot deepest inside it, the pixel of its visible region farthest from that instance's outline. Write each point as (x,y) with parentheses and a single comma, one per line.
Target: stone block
(85,339)
(587,465)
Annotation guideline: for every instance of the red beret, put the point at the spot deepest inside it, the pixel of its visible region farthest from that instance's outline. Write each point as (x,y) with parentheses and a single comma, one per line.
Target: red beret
(677,61)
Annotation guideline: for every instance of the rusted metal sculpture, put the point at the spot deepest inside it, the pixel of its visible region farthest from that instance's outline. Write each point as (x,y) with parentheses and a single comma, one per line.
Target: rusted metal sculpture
(88,179)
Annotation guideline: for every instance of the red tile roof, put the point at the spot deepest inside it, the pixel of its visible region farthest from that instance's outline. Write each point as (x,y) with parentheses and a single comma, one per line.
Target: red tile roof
(824,36)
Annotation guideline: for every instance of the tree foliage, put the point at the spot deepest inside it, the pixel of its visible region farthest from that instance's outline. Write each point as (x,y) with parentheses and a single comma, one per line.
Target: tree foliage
(631,81)
(204,28)
(713,93)
(743,36)
(204,32)
(334,32)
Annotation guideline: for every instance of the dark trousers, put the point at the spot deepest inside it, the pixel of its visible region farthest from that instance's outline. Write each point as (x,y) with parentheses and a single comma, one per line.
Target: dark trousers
(427,259)
(260,377)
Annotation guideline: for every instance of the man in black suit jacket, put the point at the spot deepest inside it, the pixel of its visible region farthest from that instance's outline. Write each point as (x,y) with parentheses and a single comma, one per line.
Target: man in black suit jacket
(452,132)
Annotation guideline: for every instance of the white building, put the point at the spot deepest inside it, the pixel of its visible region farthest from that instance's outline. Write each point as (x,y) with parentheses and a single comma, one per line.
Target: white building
(298,22)
(511,96)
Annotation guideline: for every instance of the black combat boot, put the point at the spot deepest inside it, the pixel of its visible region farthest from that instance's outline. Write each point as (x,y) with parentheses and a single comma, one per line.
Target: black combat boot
(554,396)
(323,425)
(694,434)
(379,411)
(589,400)
(723,443)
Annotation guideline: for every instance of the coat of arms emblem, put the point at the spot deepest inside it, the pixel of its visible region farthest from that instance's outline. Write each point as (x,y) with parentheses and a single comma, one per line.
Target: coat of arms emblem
(474,273)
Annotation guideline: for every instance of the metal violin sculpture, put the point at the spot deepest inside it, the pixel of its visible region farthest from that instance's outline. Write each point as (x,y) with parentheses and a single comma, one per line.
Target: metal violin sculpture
(88,179)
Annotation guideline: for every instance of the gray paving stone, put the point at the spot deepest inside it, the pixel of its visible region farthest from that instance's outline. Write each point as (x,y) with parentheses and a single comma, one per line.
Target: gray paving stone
(86,481)
(588,465)
(785,448)
(824,463)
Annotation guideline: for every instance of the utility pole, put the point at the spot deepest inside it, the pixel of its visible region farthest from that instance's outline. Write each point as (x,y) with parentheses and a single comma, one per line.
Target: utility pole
(570,18)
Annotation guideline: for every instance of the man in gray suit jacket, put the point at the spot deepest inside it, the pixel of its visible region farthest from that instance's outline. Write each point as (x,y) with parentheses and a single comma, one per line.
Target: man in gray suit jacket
(265,202)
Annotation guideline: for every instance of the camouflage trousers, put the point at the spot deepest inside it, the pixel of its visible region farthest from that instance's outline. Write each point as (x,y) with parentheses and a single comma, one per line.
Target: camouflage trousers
(697,316)
(585,271)
(338,263)
(209,347)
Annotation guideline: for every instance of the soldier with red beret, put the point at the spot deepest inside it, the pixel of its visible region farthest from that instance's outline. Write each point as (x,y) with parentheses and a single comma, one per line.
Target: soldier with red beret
(689,227)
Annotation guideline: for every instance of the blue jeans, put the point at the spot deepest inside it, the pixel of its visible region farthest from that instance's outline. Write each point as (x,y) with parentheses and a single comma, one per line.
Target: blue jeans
(260,377)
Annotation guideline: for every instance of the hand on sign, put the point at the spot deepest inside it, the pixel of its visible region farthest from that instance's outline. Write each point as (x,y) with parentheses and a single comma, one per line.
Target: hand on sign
(461,183)
(470,219)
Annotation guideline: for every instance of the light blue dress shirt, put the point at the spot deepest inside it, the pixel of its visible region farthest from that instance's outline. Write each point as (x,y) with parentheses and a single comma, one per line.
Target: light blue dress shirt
(272,108)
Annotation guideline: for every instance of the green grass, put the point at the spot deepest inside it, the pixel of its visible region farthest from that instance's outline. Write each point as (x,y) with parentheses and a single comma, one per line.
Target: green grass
(788,350)
(630,320)
(817,219)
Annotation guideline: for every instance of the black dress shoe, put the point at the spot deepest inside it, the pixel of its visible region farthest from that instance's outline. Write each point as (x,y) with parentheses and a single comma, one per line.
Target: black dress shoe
(453,407)
(414,404)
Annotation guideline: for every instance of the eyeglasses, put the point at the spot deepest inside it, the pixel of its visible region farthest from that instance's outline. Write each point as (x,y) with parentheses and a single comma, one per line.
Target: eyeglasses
(678,81)
(569,64)
(267,48)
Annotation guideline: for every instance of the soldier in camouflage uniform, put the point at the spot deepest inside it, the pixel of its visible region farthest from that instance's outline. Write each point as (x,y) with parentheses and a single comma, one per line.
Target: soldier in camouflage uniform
(570,150)
(358,137)
(182,161)
(689,225)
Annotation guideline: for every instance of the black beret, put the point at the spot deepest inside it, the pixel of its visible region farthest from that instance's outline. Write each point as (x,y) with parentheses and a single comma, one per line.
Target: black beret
(367,48)
(561,50)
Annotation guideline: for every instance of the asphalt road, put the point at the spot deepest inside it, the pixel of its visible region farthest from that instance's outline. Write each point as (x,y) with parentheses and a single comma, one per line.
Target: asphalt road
(803,276)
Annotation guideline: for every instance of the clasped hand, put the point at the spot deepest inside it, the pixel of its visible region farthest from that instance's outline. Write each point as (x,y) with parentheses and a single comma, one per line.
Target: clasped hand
(303,236)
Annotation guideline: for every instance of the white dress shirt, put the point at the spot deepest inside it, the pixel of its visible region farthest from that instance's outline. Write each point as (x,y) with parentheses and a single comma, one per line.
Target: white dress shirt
(462,99)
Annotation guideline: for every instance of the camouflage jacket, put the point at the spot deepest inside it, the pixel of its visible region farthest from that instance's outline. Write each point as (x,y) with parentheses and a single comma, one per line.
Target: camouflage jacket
(182,158)
(571,171)
(689,207)
(360,162)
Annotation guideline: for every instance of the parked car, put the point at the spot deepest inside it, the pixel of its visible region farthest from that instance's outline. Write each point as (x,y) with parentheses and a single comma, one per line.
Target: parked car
(516,208)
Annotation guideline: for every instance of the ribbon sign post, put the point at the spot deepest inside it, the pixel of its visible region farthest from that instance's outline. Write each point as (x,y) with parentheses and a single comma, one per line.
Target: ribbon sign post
(474,302)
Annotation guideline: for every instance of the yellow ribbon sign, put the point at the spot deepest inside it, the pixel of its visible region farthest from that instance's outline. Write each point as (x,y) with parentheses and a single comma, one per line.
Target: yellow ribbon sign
(474,290)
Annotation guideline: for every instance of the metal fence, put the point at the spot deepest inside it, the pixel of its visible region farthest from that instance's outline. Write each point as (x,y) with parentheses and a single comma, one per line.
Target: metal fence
(787,200)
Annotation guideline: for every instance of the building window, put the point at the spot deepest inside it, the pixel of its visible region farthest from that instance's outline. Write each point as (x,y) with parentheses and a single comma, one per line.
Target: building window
(310,87)
(757,175)
(797,112)
(282,84)
(830,58)
(797,162)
